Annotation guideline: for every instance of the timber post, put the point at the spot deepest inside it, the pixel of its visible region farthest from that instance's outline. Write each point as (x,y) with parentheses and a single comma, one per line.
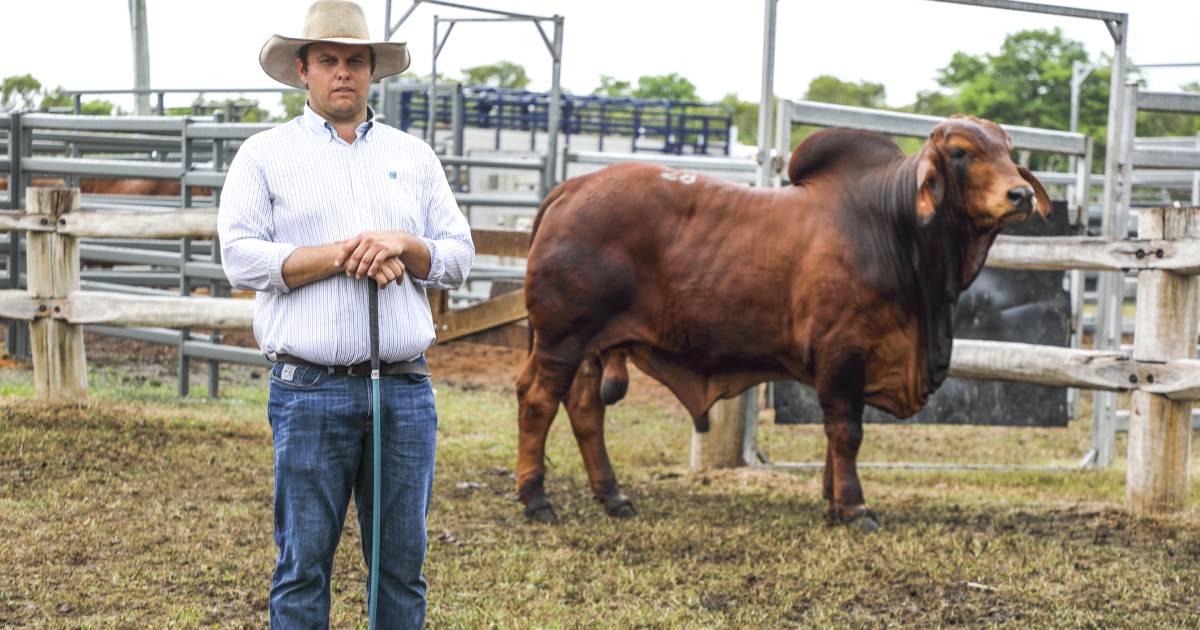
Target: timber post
(59,367)
(1160,429)
(724,445)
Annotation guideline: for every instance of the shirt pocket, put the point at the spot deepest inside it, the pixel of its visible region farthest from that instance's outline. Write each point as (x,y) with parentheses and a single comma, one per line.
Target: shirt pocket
(403,202)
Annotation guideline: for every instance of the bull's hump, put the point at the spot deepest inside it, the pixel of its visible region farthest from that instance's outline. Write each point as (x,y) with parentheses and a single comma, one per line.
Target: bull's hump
(831,150)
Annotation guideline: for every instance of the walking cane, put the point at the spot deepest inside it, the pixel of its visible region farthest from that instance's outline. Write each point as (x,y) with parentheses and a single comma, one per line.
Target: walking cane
(376,428)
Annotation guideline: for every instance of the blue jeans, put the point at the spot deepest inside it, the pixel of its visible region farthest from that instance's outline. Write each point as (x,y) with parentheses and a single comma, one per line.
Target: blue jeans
(321,426)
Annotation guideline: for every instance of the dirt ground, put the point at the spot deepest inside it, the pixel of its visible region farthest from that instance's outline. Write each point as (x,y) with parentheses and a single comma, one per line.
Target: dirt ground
(467,366)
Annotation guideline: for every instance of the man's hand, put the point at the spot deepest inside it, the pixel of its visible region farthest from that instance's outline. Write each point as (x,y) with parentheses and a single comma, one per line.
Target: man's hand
(392,270)
(373,254)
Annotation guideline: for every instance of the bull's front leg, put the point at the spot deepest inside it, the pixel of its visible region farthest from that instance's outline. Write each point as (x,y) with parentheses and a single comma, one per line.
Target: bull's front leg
(841,402)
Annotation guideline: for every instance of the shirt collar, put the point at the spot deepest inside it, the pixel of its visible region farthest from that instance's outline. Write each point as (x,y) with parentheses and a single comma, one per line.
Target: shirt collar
(315,123)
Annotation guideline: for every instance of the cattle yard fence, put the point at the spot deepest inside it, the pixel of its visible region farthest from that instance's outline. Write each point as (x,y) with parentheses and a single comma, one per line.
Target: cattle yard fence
(1161,373)
(194,152)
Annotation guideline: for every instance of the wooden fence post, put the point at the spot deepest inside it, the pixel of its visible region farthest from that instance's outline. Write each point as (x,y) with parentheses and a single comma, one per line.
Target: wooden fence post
(52,265)
(1160,429)
(722,446)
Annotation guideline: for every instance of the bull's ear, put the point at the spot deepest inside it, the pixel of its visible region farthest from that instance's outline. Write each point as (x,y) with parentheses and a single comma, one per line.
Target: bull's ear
(930,185)
(1039,193)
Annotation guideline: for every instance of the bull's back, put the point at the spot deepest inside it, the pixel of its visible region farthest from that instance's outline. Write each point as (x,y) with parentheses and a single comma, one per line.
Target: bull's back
(620,206)
(686,262)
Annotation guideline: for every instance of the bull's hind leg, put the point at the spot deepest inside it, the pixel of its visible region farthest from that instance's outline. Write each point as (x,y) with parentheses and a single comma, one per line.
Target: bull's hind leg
(586,410)
(841,402)
(540,389)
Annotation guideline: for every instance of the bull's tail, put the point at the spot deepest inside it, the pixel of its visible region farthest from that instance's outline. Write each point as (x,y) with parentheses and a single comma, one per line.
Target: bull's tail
(537,220)
(544,206)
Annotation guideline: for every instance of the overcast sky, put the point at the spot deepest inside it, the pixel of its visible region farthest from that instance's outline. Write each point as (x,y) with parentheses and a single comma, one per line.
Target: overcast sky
(717,44)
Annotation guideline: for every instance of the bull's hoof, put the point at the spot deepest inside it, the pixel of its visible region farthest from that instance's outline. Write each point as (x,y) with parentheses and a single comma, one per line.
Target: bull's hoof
(619,506)
(867,522)
(539,510)
(859,517)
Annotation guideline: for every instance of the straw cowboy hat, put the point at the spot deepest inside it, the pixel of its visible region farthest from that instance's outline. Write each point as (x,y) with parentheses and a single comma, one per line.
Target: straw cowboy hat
(332,22)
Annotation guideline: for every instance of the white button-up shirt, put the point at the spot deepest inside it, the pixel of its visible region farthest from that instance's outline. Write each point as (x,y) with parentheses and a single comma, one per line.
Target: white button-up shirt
(299,184)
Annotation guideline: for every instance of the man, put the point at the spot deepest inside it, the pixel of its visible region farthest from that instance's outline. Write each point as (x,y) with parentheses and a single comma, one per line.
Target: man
(309,209)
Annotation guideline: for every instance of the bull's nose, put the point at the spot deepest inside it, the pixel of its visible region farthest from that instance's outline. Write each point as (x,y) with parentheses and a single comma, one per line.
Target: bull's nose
(1020,196)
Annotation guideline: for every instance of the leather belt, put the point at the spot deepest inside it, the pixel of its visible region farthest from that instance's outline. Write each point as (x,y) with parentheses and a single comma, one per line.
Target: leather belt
(416,366)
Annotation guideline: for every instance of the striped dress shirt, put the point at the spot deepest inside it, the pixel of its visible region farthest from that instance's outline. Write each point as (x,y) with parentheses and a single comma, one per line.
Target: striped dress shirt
(299,184)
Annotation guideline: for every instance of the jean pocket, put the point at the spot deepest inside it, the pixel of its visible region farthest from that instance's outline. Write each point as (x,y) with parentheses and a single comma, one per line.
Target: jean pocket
(297,376)
(415,378)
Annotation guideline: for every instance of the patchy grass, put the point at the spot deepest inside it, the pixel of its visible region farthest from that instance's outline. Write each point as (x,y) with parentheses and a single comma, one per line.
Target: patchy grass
(138,510)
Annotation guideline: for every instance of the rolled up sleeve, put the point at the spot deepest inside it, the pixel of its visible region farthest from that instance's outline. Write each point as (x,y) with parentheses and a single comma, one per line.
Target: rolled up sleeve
(250,256)
(446,233)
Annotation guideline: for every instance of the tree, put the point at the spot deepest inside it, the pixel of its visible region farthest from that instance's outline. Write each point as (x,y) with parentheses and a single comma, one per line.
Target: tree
(610,86)
(502,74)
(57,98)
(243,109)
(293,104)
(1027,83)
(672,87)
(19,91)
(830,89)
(934,103)
(745,117)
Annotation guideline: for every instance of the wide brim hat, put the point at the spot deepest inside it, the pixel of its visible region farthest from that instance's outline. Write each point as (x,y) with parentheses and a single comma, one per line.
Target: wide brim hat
(330,22)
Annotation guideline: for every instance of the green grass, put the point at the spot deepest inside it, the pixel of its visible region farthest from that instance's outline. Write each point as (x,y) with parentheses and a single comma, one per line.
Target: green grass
(138,510)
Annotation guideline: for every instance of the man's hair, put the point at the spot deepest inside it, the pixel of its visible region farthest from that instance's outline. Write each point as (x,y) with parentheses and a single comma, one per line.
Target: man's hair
(302,54)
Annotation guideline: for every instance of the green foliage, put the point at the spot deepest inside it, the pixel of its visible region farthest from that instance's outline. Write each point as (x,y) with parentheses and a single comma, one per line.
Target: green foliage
(293,104)
(934,103)
(672,87)
(236,109)
(502,74)
(1155,124)
(745,117)
(251,112)
(57,98)
(611,86)
(19,91)
(424,78)
(830,89)
(99,108)
(1027,83)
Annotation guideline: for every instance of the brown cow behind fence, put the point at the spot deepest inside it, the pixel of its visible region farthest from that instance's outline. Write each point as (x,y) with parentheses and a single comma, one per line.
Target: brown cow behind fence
(130,187)
(846,280)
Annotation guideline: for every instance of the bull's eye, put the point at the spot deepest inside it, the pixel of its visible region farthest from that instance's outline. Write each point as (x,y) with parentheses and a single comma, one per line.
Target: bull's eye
(957,153)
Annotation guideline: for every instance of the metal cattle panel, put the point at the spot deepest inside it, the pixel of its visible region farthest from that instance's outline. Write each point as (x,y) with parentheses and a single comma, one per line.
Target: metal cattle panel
(1167,158)
(1001,305)
(128,124)
(102,168)
(919,125)
(1180,102)
(226,131)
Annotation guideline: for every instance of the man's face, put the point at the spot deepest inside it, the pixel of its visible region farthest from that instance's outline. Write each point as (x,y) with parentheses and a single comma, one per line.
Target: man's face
(338,78)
